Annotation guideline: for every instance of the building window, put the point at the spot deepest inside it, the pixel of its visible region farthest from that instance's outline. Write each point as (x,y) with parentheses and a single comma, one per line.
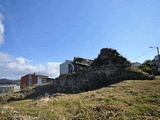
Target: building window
(44,80)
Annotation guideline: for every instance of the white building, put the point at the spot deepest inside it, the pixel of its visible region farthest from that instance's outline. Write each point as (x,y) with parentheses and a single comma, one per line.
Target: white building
(78,63)
(156,58)
(64,67)
(156,61)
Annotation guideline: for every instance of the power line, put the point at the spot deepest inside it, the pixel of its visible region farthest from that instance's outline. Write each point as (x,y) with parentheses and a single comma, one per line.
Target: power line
(142,55)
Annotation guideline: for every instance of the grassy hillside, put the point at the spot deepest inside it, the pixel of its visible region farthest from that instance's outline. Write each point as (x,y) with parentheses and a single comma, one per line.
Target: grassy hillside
(130,99)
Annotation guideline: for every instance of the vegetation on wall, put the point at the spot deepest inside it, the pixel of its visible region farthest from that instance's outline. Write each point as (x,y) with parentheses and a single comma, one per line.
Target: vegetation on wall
(110,56)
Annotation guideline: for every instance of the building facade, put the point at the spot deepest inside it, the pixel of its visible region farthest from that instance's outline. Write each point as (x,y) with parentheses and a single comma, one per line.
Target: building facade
(31,79)
(75,65)
(156,62)
(156,58)
(64,67)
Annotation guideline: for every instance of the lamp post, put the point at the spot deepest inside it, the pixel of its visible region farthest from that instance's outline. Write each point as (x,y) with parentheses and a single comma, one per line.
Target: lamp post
(157,52)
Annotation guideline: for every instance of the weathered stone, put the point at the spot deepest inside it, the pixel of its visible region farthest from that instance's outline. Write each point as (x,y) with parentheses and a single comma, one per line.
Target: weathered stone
(108,68)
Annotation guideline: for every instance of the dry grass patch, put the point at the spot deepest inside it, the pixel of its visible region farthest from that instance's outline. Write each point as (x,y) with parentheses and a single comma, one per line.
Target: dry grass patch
(125,100)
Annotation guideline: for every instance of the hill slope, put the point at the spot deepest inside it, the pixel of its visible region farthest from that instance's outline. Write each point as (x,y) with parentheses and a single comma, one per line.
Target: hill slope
(130,99)
(8,81)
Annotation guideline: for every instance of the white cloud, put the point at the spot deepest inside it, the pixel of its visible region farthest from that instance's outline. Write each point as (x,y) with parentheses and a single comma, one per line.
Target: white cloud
(15,68)
(4,57)
(21,60)
(52,68)
(1,29)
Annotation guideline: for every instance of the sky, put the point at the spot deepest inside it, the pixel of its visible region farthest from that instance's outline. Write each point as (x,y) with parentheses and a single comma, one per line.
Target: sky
(36,36)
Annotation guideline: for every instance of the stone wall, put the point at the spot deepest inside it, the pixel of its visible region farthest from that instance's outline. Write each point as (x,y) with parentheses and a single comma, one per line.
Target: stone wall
(108,68)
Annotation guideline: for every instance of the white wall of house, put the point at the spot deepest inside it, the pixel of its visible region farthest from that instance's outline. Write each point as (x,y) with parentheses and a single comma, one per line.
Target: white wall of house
(39,80)
(64,67)
(156,61)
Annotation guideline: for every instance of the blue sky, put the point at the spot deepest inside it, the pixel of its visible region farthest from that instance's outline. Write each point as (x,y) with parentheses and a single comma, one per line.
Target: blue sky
(36,36)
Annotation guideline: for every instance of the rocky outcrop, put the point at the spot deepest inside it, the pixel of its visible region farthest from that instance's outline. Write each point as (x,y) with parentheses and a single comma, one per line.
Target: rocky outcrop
(108,68)
(82,61)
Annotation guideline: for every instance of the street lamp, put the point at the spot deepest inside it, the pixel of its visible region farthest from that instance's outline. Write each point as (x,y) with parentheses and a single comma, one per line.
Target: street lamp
(157,52)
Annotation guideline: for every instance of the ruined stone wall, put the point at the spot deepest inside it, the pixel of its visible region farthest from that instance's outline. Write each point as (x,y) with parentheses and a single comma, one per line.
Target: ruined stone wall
(90,78)
(109,67)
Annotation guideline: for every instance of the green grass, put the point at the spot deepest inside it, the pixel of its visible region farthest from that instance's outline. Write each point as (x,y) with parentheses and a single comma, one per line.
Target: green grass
(123,101)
